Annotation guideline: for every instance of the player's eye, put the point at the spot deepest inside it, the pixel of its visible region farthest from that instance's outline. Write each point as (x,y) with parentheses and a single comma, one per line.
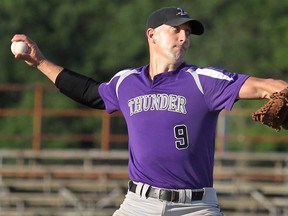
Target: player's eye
(176,29)
(188,32)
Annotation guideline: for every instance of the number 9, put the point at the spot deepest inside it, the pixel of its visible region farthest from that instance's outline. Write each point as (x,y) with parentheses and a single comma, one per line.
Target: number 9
(181,135)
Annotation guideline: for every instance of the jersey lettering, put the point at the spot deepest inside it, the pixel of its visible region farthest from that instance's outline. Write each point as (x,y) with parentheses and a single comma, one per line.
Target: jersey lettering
(172,103)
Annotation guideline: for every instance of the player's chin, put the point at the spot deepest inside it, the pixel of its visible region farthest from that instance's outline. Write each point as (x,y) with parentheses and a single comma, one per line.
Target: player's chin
(176,55)
(179,56)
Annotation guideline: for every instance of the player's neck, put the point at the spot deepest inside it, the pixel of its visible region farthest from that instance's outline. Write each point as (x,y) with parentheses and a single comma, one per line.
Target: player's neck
(158,67)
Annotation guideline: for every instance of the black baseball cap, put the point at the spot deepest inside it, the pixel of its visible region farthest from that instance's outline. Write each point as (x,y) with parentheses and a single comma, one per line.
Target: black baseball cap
(173,16)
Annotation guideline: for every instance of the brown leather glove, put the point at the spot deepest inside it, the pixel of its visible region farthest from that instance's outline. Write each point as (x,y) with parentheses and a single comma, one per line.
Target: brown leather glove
(274,113)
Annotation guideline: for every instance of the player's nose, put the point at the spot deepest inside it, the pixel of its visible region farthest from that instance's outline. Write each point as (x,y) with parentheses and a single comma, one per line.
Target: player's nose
(183,36)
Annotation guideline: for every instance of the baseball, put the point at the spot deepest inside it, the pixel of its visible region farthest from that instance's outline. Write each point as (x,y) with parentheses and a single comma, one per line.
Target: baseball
(19,47)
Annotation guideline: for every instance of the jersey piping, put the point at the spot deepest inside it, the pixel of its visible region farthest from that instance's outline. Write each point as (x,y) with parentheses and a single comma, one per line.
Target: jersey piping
(122,75)
(213,73)
(197,80)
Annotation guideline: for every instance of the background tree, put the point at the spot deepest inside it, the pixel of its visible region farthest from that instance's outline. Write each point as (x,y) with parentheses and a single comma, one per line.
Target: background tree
(98,38)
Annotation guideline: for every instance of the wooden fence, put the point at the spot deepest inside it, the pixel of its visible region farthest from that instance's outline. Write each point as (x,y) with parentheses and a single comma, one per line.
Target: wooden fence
(38,112)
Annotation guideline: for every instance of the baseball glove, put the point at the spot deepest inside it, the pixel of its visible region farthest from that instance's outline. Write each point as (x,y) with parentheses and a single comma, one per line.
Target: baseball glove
(274,113)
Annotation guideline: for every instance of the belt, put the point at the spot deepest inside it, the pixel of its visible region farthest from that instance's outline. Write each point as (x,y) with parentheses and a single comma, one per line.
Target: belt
(167,195)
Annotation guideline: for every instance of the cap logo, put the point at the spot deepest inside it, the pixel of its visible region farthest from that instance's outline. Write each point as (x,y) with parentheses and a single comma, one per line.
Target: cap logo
(181,12)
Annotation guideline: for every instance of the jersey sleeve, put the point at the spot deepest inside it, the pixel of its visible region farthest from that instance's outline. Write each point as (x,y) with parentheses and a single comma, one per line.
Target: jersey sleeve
(108,93)
(220,87)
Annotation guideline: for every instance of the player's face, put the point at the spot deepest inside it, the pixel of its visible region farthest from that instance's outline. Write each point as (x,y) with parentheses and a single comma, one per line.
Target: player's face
(173,41)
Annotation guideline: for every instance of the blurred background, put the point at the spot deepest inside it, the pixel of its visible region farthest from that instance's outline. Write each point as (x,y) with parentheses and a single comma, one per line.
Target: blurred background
(58,157)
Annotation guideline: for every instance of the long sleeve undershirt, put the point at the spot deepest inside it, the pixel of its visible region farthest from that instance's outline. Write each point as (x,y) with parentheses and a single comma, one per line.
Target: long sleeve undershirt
(80,88)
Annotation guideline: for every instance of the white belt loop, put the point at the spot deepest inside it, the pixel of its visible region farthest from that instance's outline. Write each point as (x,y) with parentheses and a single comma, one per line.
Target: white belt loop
(182,197)
(139,188)
(188,193)
(145,189)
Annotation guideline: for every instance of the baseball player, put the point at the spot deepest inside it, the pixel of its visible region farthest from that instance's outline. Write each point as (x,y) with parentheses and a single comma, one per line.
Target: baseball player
(171,109)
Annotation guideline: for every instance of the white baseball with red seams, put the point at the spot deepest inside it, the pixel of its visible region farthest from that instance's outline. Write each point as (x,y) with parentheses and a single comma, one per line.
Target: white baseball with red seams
(19,47)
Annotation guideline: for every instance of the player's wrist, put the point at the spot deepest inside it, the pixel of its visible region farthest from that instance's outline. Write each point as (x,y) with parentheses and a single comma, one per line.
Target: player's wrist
(50,69)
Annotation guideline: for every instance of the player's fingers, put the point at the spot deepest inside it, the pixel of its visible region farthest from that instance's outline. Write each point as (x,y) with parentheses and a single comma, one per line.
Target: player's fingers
(34,56)
(21,37)
(33,48)
(31,60)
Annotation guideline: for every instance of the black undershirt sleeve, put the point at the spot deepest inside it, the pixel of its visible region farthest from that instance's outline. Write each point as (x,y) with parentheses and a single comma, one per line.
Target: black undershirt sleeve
(80,88)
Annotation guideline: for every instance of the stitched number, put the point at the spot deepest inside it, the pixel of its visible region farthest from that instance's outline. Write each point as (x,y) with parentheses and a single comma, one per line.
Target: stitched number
(181,135)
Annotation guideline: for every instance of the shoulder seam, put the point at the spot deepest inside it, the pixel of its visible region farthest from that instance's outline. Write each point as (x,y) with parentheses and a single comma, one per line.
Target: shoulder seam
(196,78)
(123,75)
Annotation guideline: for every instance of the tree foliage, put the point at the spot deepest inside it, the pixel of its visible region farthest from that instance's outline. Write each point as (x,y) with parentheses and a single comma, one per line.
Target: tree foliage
(98,38)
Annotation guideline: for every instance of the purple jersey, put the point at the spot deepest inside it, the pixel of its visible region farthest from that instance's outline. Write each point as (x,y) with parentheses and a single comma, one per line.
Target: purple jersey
(172,121)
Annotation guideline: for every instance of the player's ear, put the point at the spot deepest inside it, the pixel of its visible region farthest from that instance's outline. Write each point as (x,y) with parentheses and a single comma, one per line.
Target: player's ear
(150,35)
